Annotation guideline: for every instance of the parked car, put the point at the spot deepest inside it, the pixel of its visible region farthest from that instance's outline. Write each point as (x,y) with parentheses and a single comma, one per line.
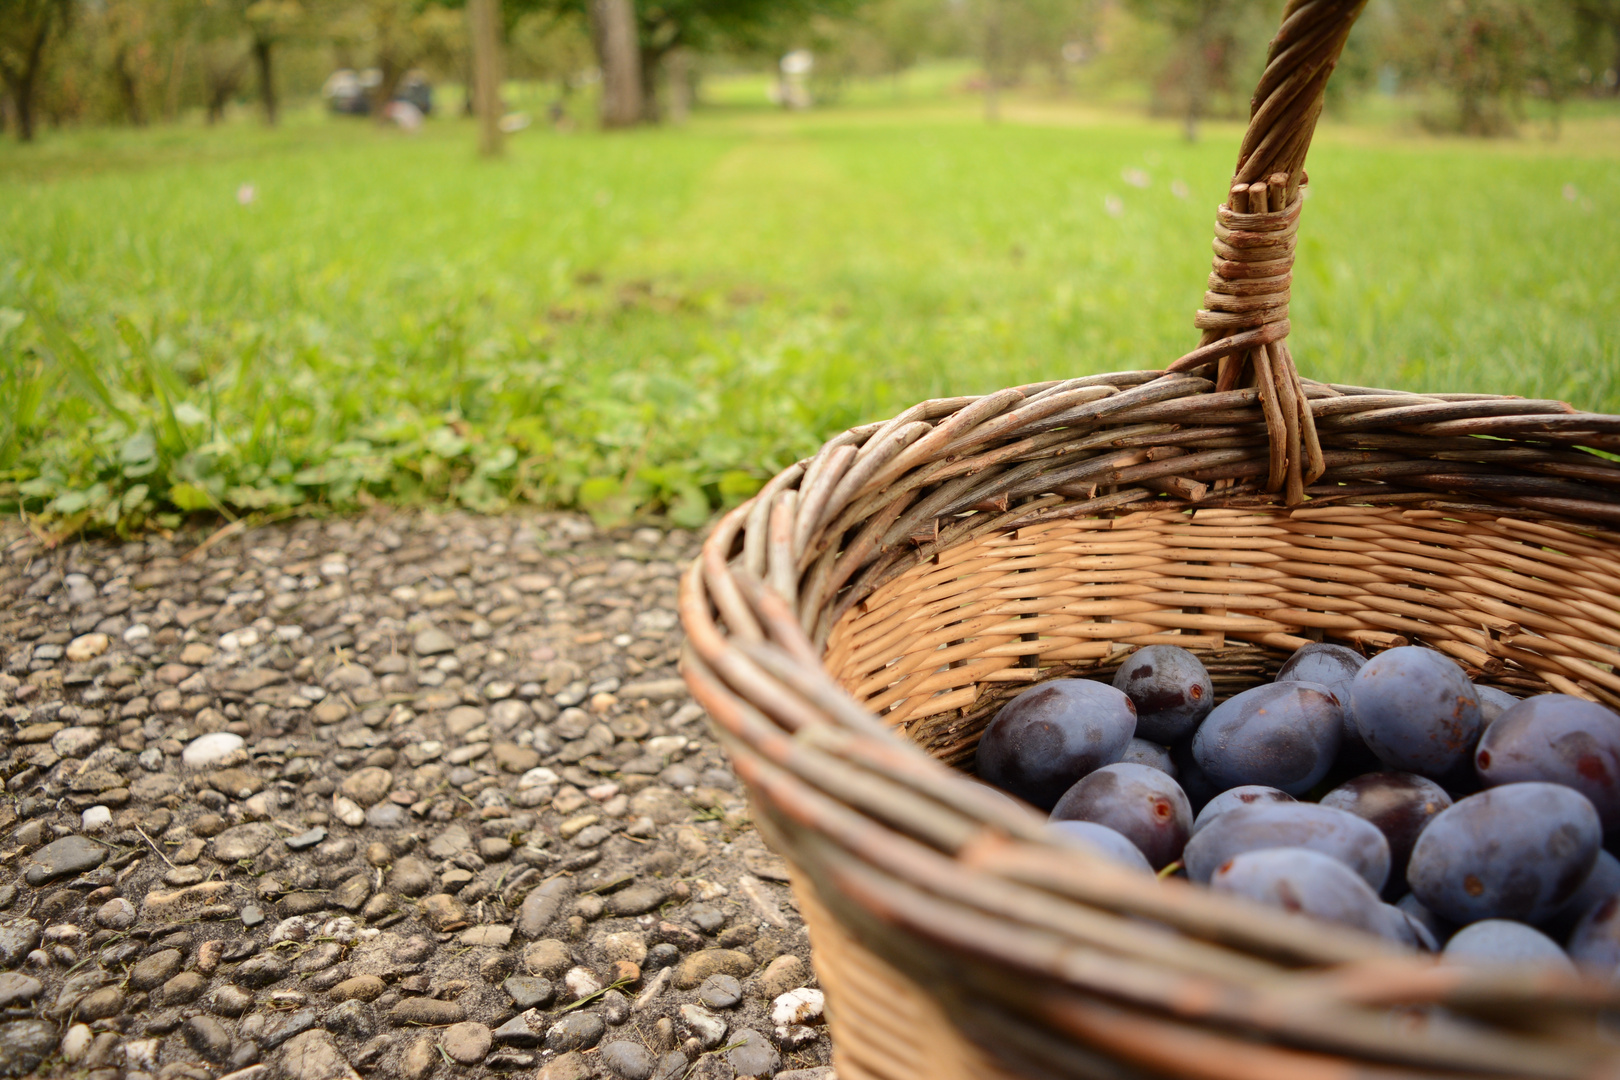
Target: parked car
(349,93)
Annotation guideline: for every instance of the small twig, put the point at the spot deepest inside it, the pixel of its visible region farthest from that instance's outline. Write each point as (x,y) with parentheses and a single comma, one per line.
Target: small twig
(218,534)
(155,848)
(617,984)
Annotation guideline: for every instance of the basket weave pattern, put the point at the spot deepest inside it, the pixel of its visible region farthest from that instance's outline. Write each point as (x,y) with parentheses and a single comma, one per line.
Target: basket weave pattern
(852,629)
(934,651)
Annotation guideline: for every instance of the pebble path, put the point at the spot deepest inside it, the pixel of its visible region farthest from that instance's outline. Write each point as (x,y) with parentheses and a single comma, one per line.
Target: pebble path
(402,796)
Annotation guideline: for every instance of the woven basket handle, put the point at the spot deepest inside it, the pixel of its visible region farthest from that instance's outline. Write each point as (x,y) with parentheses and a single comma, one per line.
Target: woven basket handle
(1245,314)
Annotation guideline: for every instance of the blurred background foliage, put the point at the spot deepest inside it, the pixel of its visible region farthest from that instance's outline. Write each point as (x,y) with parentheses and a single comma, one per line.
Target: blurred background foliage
(1477,63)
(217,298)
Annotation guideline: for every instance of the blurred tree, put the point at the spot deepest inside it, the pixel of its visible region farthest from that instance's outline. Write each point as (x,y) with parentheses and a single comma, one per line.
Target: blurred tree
(26,28)
(128,30)
(614,35)
(1215,61)
(1014,34)
(880,38)
(269,23)
(548,45)
(1488,56)
(1597,43)
(484,23)
(704,26)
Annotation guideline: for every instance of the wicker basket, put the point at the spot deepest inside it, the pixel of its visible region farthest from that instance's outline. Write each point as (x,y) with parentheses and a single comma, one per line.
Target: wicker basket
(852,629)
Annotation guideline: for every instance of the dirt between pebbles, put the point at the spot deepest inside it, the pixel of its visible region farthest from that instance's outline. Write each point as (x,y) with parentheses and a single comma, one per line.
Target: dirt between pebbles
(403,796)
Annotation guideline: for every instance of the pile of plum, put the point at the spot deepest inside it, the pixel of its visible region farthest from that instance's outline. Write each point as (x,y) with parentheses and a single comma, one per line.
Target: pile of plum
(1446,815)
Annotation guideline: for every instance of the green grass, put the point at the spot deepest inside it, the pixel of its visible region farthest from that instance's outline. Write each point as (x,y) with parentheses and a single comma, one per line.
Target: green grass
(653,322)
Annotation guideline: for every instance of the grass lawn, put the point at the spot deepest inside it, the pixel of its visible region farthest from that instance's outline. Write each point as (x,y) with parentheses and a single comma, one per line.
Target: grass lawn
(654,322)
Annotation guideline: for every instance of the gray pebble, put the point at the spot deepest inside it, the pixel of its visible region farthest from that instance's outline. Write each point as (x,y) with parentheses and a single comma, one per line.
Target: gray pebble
(672,1066)
(575,1031)
(706,917)
(433,642)
(529,991)
(628,1060)
(64,857)
(386,815)
(16,989)
(24,1044)
(116,914)
(230,1001)
(208,1037)
(18,936)
(307,840)
(638,898)
(755,1056)
(261,971)
(270,1030)
(353,1018)
(720,991)
(525,1029)
(466,1042)
(155,970)
(101,1004)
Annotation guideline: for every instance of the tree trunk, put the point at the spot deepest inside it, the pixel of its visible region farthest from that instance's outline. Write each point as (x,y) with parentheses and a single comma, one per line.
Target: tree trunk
(652,65)
(267,81)
(485,16)
(1198,70)
(680,85)
(22,82)
(220,89)
(177,67)
(128,89)
(992,62)
(393,73)
(22,96)
(618,52)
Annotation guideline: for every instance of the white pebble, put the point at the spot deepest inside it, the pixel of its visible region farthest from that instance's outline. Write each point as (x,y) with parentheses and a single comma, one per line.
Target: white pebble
(293,928)
(581,983)
(799,1006)
(341,930)
(96,817)
(76,1043)
(141,1054)
(75,741)
(709,890)
(245,638)
(348,811)
(686,714)
(665,746)
(289,632)
(87,647)
(537,777)
(138,632)
(206,750)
